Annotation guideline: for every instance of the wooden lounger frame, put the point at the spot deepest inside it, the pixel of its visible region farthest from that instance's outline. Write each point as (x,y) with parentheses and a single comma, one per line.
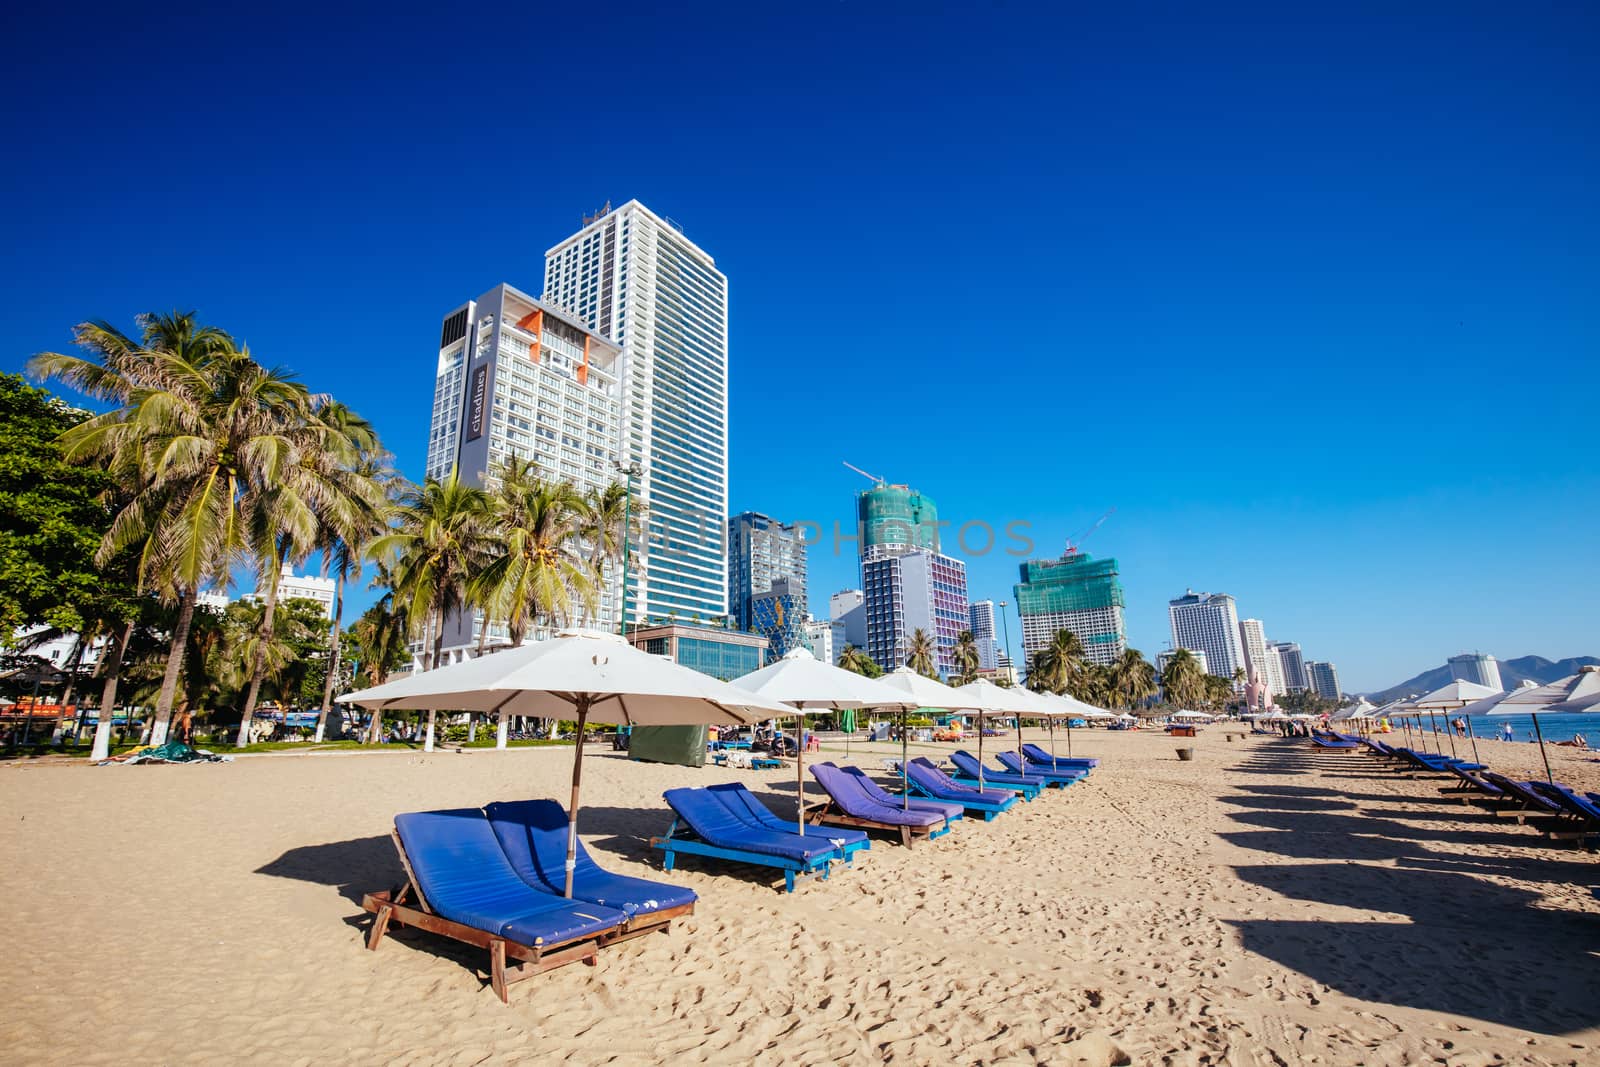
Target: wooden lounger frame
(389,906)
(827,812)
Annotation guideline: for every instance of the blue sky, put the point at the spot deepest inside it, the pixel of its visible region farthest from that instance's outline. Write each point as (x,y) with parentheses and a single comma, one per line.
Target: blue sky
(1309,297)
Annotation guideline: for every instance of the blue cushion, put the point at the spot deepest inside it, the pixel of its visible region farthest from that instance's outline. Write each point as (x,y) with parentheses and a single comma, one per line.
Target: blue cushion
(940,784)
(846,791)
(1009,761)
(747,807)
(969,767)
(533,834)
(466,878)
(1039,755)
(947,809)
(716,825)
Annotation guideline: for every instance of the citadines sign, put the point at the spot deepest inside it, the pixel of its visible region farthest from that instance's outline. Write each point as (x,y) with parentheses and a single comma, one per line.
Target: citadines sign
(477,402)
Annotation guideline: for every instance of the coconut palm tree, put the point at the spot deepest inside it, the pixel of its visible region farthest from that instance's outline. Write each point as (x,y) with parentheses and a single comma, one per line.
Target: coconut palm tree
(856,660)
(1182,680)
(535,567)
(438,550)
(197,440)
(1057,664)
(602,530)
(921,653)
(967,662)
(1133,678)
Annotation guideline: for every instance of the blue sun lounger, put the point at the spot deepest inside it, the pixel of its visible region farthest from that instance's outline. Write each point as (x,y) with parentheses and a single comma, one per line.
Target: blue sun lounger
(849,804)
(951,811)
(465,888)
(1579,817)
(967,774)
(533,834)
(1061,779)
(710,828)
(747,807)
(927,780)
(1034,754)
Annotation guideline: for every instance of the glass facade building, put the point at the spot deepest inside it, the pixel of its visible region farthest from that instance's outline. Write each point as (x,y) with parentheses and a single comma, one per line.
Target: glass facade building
(1078,593)
(722,654)
(762,552)
(635,278)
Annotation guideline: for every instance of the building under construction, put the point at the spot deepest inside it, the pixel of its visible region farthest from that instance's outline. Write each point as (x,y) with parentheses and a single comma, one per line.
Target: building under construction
(1076,592)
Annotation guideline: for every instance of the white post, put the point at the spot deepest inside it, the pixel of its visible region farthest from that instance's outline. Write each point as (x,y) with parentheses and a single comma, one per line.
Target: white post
(472,727)
(427,745)
(500,731)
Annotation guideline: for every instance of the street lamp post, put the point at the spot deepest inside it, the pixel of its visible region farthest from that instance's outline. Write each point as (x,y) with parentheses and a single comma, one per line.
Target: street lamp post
(1005,621)
(632,471)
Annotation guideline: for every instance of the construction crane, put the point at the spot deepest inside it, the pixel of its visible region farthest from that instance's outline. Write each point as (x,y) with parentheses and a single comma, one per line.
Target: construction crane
(864,474)
(1074,543)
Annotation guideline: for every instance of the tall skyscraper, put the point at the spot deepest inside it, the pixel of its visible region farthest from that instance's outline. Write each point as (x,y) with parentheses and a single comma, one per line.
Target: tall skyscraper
(1209,623)
(980,619)
(893,519)
(634,277)
(910,591)
(1476,667)
(1293,664)
(780,616)
(762,550)
(517,378)
(1324,679)
(1078,593)
(1260,663)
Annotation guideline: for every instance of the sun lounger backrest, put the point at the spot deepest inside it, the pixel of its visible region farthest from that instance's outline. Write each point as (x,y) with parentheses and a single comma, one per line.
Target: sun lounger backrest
(847,792)
(460,868)
(711,818)
(1567,799)
(533,834)
(933,779)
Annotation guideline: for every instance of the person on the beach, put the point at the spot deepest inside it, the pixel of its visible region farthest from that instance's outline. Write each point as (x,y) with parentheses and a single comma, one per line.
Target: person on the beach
(1506,733)
(184,731)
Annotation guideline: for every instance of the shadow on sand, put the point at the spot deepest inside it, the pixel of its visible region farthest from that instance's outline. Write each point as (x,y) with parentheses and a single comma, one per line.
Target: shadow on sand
(1472,945)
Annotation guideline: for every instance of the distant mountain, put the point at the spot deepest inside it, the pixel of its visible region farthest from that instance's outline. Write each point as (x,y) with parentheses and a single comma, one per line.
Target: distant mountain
(1535,669)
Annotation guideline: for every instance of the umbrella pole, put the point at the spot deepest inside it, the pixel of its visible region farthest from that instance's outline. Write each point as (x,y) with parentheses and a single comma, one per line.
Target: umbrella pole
(905,798)
(1020,761)
(1450,732)
(1474,736)
(1542,754)
(1050,725)
(980,751)
(572,812)
(800,770)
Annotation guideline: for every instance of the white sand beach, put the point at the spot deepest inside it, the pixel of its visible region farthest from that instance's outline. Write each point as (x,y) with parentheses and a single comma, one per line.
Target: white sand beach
(1261,904)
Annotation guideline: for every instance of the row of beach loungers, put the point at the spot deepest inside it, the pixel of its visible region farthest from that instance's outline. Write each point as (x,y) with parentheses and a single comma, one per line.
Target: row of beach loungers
(1558,811)
(495,877)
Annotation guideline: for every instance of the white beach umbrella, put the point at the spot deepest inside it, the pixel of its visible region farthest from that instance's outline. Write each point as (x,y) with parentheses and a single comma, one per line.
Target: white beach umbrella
(926,692)
(798,679)
(1581,689)
(1190,715)
(1000,700)
(576,673)
(1063,706)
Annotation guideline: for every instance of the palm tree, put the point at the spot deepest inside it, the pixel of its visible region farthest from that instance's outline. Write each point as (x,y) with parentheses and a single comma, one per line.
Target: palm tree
(196,441)
(856,660)
(344,551)
(1057,664)
(1182,680)
(536,568)
(603,515)
(921,653)
(1132,678)
(438,549)
(380,635)
(967,662)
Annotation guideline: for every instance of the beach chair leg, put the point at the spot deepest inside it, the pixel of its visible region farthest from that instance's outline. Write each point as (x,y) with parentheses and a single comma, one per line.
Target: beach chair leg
(497,969)
(905,836)
(669,856)
(788,881)
(380,924)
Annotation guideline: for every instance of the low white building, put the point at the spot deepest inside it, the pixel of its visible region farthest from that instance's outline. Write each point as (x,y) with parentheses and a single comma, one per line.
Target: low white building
(293,587)
(819,633)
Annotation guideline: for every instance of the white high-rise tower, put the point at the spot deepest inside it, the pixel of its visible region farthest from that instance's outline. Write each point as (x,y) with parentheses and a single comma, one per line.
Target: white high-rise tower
(1209,623)
(635,278)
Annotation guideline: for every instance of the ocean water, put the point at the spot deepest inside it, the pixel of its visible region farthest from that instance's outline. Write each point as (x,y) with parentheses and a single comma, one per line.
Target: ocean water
(1557,726)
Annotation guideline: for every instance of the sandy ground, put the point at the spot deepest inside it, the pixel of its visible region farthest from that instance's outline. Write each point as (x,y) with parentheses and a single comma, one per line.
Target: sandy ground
(1261,904)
